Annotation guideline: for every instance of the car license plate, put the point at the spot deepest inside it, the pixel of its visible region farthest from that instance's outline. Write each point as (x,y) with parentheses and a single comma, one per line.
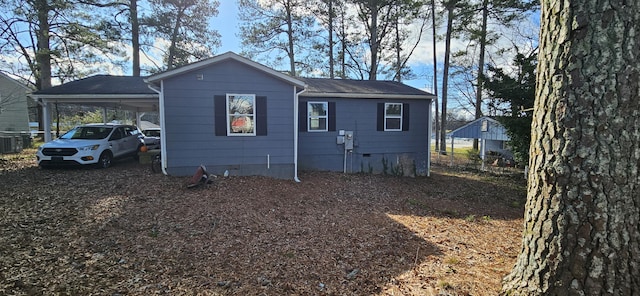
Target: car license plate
(57,158)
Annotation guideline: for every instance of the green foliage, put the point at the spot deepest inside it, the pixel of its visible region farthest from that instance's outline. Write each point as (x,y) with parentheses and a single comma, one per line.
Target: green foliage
(385,166)
(518,92)
(473,155)
(388,168)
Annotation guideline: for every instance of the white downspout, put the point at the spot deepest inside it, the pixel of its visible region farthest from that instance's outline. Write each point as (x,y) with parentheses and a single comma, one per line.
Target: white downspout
(295,132)
(163,138)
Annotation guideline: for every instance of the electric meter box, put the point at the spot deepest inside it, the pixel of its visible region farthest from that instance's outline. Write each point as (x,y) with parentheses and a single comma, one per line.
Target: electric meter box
(348,140)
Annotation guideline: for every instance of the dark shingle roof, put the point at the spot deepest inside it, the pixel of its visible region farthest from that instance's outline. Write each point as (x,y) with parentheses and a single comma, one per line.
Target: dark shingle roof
(101,84)
(347,86)
(129,85)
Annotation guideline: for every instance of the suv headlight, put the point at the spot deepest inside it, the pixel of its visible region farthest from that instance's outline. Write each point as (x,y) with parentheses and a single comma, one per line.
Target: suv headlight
(89,148)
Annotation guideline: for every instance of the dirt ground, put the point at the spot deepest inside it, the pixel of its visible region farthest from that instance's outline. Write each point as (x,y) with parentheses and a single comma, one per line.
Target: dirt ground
(127,231)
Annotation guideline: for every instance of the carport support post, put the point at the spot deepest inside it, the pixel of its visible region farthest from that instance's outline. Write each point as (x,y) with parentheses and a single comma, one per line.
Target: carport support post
(46,119)
(453,139)
(483,143)
(104,114)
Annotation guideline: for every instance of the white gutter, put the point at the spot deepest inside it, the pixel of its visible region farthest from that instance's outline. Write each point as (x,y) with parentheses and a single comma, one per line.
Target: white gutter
(295,132)
(163,138)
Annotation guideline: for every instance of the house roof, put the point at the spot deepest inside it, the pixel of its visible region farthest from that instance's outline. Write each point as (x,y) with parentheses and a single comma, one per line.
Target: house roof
(347,88)
(100,85)
(135,92)
(14,81)
(224,57)
(478,129)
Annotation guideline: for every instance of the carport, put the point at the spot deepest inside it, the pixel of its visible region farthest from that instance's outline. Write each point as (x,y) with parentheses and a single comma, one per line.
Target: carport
(106,91)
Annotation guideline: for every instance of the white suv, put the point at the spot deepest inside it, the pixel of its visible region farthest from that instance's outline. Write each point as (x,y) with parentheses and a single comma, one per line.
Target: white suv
(96,144)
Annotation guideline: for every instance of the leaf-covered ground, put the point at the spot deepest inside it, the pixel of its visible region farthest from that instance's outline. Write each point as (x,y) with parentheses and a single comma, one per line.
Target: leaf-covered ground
(126,231)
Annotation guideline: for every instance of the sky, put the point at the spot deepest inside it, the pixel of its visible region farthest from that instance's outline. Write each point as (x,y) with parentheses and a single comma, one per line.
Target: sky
(227,24)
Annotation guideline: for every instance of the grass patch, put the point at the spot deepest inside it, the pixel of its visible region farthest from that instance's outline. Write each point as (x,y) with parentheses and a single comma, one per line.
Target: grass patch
(452,260)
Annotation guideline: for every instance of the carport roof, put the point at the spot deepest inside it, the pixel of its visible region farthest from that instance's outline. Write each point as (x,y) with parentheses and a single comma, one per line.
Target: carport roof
(100,85)
(126,92)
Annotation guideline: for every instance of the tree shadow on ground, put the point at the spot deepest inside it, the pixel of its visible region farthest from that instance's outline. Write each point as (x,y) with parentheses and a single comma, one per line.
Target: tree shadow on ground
(125,230)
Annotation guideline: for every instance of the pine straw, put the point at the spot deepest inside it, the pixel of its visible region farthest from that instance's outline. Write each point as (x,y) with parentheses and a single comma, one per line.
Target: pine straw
(126,231)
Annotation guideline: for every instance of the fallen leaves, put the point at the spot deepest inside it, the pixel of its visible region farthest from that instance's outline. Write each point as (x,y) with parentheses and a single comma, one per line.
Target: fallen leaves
(124,230)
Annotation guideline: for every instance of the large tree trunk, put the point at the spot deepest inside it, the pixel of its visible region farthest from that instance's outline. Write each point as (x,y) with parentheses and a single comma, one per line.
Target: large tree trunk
(450,6)
(483,45)
(373,43)
(290,45)
(135,37)
(435,74)
(582,229)
(43,54)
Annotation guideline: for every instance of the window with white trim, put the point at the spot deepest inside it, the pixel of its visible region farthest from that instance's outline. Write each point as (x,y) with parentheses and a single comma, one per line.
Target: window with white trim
(317,117)
(241,114)
(393,116)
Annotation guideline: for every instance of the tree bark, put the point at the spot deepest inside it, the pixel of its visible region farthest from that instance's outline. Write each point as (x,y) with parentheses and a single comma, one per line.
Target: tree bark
(483,45)
(135,37)
(290,43)
(435,74)
(450,6)
(373,43)
(582,231)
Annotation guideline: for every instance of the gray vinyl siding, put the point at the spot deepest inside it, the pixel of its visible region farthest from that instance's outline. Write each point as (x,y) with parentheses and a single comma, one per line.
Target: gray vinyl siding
(319,151)
(190,123)
(13,102)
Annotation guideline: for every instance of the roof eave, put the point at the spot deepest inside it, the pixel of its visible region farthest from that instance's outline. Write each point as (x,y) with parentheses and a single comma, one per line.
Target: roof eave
(80,97)
(367,95)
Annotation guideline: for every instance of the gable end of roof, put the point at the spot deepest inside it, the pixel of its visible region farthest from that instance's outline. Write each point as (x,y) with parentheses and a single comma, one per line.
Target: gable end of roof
(223,57)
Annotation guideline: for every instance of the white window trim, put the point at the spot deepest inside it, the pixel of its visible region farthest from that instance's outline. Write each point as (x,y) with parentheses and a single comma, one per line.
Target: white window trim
(392,116)
(228,116)
(309,117)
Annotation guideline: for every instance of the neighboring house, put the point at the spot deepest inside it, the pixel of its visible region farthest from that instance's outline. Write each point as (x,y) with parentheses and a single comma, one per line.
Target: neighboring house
(490,132)
(14,112)
(237,116)
(14,115)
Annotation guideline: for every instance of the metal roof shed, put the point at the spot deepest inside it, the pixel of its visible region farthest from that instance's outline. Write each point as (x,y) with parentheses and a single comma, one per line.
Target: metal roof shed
(488,130)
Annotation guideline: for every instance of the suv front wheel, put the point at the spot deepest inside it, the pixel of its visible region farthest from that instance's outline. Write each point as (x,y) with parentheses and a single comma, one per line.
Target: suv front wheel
(105,160)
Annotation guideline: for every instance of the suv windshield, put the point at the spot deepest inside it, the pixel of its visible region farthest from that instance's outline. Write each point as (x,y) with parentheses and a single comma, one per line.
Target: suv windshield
(88,133)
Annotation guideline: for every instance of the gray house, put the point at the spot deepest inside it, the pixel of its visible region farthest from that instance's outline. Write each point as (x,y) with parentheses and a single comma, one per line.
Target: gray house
(385,126)
(232,114)
(14,116)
